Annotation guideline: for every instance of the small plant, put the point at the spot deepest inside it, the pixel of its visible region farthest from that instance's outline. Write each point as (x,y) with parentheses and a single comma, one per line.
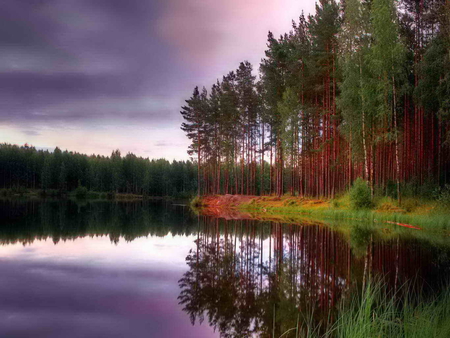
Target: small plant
(360,195)
(81,192)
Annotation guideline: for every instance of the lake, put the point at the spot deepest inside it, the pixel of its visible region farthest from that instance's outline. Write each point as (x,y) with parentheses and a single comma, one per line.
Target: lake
(155,269)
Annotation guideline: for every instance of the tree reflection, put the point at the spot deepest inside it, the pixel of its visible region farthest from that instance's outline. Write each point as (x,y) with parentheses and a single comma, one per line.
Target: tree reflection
(250,278)
(25,221)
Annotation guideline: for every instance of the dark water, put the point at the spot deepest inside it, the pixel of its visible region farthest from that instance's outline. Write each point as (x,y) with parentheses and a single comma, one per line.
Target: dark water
(152,269)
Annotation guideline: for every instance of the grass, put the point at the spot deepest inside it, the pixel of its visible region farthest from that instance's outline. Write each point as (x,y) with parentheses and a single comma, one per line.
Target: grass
(427,214)
(378,312)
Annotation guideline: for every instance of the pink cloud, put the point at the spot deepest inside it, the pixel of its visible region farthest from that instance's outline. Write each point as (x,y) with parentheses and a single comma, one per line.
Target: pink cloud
(219,34)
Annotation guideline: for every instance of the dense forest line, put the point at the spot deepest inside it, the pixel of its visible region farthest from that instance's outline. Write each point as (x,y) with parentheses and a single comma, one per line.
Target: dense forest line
(359,89)
(62,171)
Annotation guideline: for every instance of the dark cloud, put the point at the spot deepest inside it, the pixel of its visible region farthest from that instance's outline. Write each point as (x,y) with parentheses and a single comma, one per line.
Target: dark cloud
(65,51)
(68,67)
(31,132)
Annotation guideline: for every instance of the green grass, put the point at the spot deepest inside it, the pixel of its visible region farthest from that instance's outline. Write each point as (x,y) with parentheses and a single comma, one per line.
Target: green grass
(378,312)
(426,214)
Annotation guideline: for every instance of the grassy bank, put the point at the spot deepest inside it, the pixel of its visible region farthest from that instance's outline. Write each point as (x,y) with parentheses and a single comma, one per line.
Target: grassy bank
(427,214)
(412,213)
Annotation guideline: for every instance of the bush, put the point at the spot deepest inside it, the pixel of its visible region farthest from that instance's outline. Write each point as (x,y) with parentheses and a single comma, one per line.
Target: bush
(81,192)
(443,195)
(360,195)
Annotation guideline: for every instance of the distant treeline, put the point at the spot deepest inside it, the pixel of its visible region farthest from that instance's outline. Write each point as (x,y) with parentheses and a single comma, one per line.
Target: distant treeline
(358,89)
(27,167)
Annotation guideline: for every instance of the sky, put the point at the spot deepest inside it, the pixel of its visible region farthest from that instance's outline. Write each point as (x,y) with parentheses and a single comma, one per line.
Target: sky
(96,75)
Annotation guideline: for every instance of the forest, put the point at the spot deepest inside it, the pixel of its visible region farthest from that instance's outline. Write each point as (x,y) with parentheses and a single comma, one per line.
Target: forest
(358,89)
(25,167)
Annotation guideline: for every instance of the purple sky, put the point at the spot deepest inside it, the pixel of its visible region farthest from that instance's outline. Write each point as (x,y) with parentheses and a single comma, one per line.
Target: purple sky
(92,76)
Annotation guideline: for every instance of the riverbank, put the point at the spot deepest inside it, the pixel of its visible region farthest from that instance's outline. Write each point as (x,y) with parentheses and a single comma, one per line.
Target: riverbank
(413,213)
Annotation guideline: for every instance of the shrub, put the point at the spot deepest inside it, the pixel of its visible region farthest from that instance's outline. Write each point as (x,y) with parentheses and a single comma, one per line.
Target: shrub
(360,195)
(81,192)
(443,195)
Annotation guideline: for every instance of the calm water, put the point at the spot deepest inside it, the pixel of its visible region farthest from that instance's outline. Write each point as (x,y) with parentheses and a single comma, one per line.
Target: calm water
(152,269)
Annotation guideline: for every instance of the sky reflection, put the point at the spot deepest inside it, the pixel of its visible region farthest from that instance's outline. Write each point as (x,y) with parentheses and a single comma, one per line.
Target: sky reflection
(91,287)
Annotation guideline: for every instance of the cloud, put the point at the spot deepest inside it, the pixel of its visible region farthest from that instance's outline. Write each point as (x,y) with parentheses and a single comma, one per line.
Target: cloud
(86,64)
(31,132)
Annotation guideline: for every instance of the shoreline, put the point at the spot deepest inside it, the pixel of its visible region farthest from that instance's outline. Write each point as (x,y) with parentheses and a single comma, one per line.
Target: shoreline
(426,215)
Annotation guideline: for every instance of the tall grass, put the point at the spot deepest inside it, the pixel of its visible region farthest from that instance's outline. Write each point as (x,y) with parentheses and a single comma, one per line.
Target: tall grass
(377,313)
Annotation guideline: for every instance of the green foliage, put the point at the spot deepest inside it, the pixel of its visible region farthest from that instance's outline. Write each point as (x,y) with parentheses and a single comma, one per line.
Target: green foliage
(29,168)
(376,313)
(335,203)
(360,237)
(360,195)
(81,192)
(443,196)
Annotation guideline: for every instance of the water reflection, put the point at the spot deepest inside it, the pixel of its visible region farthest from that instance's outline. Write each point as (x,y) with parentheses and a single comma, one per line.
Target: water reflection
(87,271)
(250,278)
(28,220)
(139,269)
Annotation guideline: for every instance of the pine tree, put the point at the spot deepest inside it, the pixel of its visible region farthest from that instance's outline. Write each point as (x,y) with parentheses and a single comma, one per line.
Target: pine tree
(194,114)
